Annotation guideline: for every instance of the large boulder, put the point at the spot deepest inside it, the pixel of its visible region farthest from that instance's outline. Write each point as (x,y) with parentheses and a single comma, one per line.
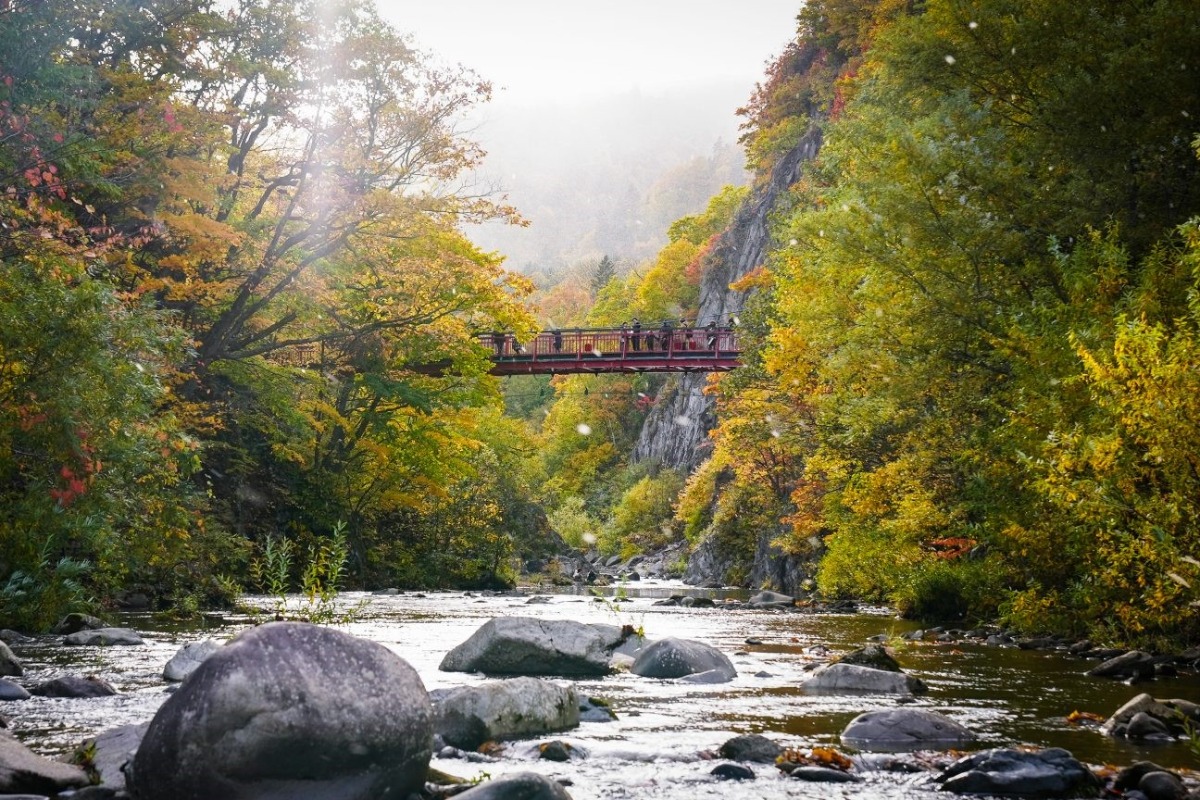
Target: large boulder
(24,771)
(188,658)
(905,730)
(104,637)
(530,646)
(289,709)
(842,678)
(517,786)
(1049,773)
(9,663)
(508,709)
(676,658)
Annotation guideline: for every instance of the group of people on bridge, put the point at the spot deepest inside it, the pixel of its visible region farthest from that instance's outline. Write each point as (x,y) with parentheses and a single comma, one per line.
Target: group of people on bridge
(630,339)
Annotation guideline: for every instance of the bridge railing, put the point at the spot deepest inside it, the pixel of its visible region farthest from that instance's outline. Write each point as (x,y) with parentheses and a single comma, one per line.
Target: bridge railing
(614,344)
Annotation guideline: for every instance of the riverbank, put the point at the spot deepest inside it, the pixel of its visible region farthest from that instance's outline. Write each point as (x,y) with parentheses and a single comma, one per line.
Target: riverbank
(666,733)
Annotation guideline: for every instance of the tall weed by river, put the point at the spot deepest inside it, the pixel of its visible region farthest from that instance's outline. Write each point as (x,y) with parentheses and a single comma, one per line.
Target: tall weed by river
(320,574)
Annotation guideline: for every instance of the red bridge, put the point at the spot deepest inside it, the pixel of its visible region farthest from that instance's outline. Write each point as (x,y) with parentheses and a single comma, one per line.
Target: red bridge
(594,350)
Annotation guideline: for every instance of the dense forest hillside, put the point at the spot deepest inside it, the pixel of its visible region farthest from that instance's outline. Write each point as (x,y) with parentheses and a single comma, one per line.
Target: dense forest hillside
(972,369)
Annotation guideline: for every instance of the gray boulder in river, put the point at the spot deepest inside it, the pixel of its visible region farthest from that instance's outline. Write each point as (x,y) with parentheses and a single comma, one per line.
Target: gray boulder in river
(530,646)
(9,663)
(188,658)
(289,709)
(517,786)
(508,709)
(842,678)
(1050,773)
(24,771)
(677,658)
(104,637)
(904,730)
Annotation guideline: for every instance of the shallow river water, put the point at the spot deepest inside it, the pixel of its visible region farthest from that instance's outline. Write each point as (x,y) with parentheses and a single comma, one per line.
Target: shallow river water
(665,732)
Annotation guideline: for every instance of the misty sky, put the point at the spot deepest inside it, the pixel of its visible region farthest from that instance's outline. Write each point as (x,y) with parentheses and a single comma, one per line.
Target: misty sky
(538,51)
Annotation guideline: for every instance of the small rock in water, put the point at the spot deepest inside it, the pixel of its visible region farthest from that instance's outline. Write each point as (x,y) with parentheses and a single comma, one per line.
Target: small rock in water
(518,785)
(823,775)
(75,686)
(558,750)
(104,637)
(12,691)
(751,747)
(188,658)
(735,772)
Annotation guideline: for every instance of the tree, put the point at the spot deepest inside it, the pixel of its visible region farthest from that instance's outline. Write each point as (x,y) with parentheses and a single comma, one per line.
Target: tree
(605,271)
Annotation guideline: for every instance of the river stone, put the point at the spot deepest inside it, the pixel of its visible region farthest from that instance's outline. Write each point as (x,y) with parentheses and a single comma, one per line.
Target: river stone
(72,623)
(823,775)
(675,658)
(853,679)
(529,646)
(771,600)
(1134,664)
(750,747)
(9,636)
(508,709)
(12,691)
(1050,773)
(905,730)
(77,686)
(188,658)
(24,771)
(517,786)
(104,637)
(1164,712)
(736,772)
(1162,785)
(113,749)
(289,709)
(874,656)
(9,663)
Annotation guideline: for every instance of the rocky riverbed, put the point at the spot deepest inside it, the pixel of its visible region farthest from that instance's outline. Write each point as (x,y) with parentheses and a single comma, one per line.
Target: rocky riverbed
(665,736)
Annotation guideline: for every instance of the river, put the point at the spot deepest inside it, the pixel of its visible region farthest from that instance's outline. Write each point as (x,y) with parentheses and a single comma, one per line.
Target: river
(655,747)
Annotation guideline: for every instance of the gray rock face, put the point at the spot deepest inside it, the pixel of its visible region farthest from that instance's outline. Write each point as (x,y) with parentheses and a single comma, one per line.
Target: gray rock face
(1147,719)
(104,637)
(517,786)
(24,771)
(854,679)
(904,730)
(676,658)
(290,710)
(188,658)
(1050,773)
(750,747)
(12,691)
(1162,785)
(507,709)
(75,686)
(529,646)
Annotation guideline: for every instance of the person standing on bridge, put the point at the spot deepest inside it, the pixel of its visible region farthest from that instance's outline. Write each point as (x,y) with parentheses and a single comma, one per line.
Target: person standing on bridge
(711,331)
(557,341)
(637,334)
(664,336)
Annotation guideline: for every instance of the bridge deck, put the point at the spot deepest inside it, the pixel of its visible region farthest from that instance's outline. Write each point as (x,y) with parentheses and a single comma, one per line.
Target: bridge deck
(597,350)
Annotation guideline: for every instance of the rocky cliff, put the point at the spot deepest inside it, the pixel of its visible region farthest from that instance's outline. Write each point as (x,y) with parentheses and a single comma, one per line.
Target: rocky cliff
(675,433)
